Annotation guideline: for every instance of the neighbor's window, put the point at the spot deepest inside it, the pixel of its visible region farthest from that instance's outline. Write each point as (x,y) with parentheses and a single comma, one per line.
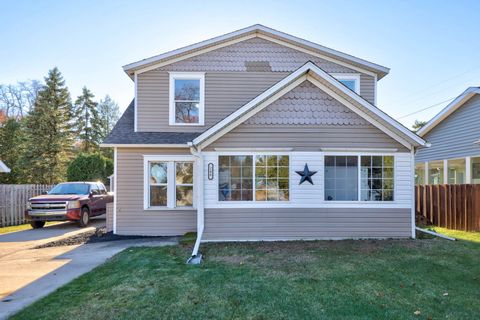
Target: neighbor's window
(186,98)
(158,184)
(456,171)
(435,172)
(243,176)
(420,174)
(271,178)
(170,184)
(342,178)
(376,181)
(184,184)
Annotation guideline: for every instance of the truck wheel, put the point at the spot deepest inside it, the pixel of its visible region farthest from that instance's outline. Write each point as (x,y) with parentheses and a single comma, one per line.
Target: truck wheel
(84,217)
(37,224)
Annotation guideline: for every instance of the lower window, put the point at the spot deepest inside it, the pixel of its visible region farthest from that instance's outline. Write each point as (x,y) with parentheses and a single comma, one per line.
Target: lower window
(253,178)
(170,184)
(373,174)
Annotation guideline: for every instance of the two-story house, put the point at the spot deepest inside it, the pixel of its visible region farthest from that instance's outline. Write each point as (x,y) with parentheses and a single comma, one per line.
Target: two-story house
(260,135)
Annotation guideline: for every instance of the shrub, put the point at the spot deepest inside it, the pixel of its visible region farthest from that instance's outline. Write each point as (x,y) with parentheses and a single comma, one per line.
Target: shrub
(90,167)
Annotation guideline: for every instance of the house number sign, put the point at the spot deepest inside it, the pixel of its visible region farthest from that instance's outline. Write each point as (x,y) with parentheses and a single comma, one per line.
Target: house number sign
(210,171)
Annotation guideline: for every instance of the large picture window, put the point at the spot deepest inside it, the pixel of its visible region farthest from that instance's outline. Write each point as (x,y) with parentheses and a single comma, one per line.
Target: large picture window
(169,183)
(187,99)
(373,174)
(253,178)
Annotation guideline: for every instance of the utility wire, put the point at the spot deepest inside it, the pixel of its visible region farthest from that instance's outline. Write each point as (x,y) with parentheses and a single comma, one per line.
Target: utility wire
(429,107)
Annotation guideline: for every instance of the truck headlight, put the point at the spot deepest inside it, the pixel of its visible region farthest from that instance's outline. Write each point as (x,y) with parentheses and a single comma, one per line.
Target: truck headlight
(29,205)
(73,204)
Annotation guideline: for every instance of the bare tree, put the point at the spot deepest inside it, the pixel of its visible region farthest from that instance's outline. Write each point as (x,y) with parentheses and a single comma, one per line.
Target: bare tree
(16,100)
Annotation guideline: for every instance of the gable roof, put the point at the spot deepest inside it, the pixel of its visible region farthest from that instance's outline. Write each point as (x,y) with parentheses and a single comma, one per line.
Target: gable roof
(256,30)
(327,83)
(3,167)
(449,109)
(123,134)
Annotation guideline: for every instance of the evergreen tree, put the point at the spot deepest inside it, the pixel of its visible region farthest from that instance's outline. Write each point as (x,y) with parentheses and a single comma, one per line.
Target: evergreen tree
(48,133)
(419,124)
(10,149)
(88,123)
(109,114)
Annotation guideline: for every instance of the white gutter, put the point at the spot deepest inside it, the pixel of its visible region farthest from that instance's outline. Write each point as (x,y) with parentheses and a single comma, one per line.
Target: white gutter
(435,234)
(196,258)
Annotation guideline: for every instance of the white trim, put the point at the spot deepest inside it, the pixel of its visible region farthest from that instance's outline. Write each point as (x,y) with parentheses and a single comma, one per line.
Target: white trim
(134,145)
(448,110)
(381,150)
(253,149)
(200,76)
(427,174)
(292,80)
(115,197)
(4,168)
(135,94)
(247,33)
(171,185)
(468,170)
(349,76)
(412,216)
(445,171)
(200,200)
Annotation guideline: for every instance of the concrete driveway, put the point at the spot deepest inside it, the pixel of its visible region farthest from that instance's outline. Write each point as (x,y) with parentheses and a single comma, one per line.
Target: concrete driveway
(27,274)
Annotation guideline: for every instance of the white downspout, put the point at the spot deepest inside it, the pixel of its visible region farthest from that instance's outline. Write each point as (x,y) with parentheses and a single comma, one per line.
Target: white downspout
(200,204)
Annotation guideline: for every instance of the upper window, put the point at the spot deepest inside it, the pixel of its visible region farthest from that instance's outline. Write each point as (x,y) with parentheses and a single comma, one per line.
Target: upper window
(169,184)
(253,178)
(353,178)
(187,98)
(351,81)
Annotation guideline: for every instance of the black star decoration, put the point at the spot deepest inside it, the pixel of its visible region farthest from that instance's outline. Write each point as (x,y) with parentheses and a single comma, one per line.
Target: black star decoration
(306,174)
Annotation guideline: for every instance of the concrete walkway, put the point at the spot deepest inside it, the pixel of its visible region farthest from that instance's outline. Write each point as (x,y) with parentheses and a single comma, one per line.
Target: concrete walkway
(28,274)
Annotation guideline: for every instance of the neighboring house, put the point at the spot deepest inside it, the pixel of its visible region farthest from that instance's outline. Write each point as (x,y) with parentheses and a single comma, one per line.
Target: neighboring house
(218,131)
(454,135)
(4,168)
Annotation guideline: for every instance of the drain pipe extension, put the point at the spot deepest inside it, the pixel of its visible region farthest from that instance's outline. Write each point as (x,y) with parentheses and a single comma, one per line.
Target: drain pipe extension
(196,258)
(435,234)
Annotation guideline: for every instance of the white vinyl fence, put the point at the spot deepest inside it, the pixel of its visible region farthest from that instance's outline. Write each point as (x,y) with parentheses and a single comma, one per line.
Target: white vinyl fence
(13,201)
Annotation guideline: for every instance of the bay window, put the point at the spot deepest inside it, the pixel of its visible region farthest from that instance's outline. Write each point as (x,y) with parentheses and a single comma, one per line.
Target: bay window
(168,183)
(354,178)
(253,178)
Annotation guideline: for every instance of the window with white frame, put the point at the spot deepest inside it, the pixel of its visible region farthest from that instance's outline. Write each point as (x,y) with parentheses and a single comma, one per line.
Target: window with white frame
(169,183)
(253,178)
(187,98)
(351,81)
(359,178)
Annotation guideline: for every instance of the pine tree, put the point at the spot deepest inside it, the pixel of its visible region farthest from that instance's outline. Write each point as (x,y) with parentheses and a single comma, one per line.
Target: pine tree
(109,114)
(10,149)
(48,133)
(88,123)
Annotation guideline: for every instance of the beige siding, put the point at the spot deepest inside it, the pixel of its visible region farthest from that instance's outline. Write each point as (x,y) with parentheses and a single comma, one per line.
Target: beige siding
(367,88)
(305,138)
(318,223)
(225,92)
(131,217)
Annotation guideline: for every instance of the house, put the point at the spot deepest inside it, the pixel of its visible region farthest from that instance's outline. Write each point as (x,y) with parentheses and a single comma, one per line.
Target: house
(260,135)
(454,135)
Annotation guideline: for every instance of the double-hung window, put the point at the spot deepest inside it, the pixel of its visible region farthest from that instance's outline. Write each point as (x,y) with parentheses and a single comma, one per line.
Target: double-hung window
(253,178)
(168,183)
(354,178)
(187,98)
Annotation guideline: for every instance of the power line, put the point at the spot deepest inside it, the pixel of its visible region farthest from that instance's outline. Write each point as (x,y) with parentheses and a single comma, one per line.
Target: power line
(429,107)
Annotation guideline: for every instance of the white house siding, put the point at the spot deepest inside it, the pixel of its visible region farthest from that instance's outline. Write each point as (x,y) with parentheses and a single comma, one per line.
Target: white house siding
(306,215)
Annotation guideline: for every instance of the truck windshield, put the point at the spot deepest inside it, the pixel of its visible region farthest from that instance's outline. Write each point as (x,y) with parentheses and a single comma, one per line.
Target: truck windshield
(70,188)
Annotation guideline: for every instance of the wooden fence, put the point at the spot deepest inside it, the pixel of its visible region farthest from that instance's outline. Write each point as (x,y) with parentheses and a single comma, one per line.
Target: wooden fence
(450,206)
(13,201)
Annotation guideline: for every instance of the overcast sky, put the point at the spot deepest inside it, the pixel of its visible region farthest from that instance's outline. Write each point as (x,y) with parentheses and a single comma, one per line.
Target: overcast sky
(432,47)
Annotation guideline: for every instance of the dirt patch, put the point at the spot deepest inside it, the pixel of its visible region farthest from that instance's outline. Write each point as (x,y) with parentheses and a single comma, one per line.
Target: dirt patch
(94,236)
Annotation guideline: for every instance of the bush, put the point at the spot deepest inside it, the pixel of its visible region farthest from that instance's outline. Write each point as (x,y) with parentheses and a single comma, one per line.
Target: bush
(90,167)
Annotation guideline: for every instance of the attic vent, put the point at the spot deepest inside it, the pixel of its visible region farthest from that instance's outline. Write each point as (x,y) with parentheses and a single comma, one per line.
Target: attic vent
(258,66)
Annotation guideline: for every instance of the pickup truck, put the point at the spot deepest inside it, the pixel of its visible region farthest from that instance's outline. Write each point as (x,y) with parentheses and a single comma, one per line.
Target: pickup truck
(72,201)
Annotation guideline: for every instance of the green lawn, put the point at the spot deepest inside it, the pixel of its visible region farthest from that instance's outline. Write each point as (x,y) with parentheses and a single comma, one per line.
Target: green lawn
(391,279)
(21,227)
(461,235)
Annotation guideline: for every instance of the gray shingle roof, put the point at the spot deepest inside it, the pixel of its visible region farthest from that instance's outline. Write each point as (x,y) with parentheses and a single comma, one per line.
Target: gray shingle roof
(123,133)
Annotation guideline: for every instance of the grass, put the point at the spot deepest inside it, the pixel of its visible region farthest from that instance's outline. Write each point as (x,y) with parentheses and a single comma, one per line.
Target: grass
(21,227)
(390,279)
(461,235)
